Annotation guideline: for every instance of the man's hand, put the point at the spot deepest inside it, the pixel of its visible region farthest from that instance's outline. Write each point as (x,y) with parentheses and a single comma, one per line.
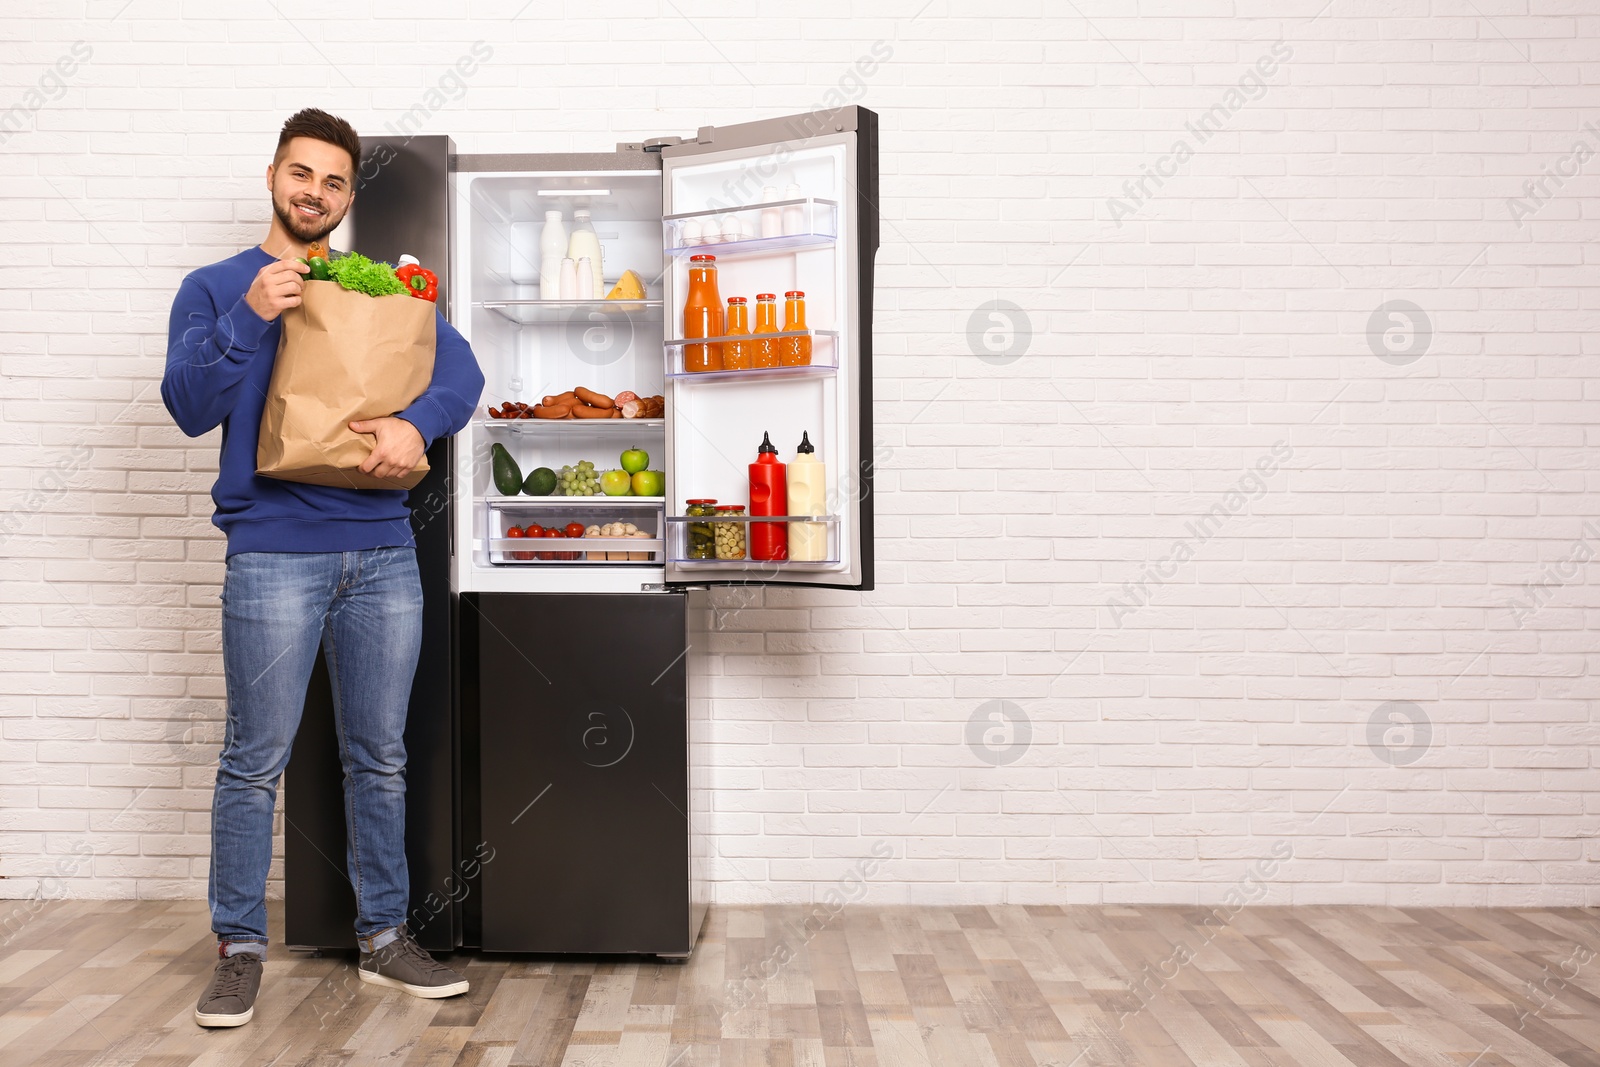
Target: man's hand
(398,448)
(277,286)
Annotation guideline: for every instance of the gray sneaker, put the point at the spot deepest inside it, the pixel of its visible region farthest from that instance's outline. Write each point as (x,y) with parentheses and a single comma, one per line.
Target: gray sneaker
(230,999)
(404,964)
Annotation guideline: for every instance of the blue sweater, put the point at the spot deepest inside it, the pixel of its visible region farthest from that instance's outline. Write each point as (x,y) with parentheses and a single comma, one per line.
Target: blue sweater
(219,362)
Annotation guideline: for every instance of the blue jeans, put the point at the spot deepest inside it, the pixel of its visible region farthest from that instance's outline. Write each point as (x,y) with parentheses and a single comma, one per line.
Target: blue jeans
(365,609)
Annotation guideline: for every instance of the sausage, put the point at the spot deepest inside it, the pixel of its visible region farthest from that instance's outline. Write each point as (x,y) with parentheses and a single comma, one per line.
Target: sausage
(583,411)
(560,398)
(552,411)
(648,408)
(594,399)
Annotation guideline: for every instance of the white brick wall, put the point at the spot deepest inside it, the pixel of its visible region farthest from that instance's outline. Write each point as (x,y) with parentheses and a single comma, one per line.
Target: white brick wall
(1204,737)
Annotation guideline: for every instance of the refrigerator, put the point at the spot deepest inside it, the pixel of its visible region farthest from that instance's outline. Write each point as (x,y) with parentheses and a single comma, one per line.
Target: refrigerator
(558,789)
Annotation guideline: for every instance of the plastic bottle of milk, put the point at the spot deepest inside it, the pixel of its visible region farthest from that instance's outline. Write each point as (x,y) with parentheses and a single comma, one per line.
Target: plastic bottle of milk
(585,244)
(552,249)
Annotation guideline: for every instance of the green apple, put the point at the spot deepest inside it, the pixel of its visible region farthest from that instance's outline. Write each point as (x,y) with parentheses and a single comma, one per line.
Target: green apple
(634,460)
(615,483)
(649,483)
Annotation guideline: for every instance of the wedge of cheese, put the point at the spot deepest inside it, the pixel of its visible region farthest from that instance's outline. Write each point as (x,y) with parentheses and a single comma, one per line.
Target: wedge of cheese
(629,287)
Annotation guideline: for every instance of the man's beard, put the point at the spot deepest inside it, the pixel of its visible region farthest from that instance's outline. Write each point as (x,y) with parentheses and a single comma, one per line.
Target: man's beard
(302,228)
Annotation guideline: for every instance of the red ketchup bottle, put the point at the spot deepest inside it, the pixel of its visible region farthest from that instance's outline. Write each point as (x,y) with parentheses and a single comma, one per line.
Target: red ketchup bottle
(769,495)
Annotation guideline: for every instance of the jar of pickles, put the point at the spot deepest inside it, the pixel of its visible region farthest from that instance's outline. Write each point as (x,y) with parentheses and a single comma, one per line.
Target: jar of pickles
(700,540)
(728,537)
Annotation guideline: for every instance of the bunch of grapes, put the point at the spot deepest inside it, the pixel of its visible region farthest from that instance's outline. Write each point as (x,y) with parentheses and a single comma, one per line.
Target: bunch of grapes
(581,480)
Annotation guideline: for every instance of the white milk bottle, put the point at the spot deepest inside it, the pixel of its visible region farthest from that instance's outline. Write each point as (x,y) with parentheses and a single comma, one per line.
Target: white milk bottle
(585,244)
(552,249)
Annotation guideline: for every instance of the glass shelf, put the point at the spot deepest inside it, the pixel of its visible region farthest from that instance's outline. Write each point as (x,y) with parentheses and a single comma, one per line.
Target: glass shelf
(528,312)
(560,428)
(495,500)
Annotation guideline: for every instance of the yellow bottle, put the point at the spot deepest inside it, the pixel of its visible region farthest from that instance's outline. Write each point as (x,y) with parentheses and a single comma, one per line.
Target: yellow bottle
(808,495)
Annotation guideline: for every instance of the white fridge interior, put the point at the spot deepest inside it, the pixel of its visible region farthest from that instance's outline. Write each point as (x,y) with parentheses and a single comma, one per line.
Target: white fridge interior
(529,348)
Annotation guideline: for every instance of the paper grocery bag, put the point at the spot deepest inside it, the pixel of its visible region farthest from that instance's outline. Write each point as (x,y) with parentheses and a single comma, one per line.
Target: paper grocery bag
(343,356)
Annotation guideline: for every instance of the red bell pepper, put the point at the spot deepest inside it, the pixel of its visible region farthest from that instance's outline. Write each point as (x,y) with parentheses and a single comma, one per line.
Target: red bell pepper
(419,281)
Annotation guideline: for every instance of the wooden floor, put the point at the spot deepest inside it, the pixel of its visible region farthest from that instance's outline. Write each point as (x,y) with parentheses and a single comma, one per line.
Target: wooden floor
(97,983)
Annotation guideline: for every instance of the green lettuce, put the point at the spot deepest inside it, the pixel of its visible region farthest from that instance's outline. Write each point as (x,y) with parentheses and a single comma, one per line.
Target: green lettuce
(356,272)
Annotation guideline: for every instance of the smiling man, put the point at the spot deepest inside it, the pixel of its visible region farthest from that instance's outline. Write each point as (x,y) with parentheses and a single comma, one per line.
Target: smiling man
(307,565)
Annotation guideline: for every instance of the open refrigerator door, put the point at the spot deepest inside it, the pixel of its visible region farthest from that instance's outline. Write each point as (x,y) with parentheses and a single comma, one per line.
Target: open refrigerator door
(781,213)
(535,510)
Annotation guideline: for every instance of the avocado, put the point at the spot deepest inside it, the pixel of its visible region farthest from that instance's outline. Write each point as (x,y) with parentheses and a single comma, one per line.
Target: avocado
(507,476)
(541,482)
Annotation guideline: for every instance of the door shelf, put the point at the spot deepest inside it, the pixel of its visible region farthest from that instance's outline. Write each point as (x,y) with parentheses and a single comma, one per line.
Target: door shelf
(561,429)
(809,223)
(714,519)
(812,371)
(756,245)
(679,342)
(677,538)
(746,564)
(824,357)
(534,312)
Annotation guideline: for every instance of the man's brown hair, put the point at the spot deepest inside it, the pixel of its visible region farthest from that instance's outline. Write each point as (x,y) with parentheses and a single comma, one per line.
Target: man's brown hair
(318,124)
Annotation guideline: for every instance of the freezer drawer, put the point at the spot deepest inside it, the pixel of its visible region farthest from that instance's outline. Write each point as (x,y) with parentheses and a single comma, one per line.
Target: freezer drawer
(583,783)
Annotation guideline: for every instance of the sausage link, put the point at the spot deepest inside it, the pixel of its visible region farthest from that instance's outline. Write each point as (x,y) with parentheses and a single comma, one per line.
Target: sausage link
(594,399)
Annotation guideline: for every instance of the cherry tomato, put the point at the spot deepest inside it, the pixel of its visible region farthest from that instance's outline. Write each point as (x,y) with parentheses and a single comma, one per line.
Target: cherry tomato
(547,533)
(574,529)
(535,530)
(516,531)
(556,531)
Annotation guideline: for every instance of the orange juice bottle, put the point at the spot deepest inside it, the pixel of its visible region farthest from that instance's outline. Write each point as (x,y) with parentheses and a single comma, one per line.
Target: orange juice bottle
(794,351)
(702,315)
(764,351)
(736,354)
